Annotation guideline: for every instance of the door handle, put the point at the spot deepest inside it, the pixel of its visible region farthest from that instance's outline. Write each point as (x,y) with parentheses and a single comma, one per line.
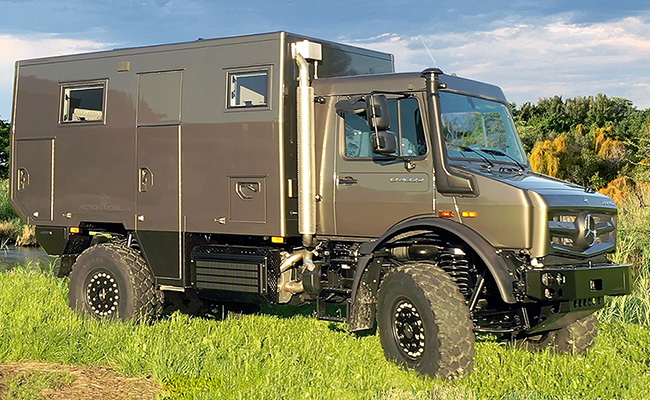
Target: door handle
(23,179)
(347,180)
(146,179)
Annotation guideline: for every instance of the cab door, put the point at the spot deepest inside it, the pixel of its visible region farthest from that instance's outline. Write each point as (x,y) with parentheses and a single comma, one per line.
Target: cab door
(374,192)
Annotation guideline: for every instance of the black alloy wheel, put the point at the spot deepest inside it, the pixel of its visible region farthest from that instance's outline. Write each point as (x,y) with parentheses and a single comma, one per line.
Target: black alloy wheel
(408,329)
(102,293)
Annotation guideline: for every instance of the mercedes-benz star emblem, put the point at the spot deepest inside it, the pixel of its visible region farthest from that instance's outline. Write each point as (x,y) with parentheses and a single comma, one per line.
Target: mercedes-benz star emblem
(589,230)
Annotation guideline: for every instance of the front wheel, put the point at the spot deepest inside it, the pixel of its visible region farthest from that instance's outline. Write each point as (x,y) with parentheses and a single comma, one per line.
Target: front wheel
(576,338)
(424,322)
(110,280)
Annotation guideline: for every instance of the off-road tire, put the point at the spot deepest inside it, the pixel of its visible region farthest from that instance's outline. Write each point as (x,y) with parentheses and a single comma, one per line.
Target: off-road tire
(421,299)
(110,280)
(576,338)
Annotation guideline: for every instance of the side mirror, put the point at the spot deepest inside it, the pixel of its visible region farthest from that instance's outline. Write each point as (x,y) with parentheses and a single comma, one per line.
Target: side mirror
(377,112)
(383,143)
(351,106)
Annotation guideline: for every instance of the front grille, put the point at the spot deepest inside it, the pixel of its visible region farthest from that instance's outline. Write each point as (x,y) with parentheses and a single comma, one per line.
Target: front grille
(588,303)
(581,232)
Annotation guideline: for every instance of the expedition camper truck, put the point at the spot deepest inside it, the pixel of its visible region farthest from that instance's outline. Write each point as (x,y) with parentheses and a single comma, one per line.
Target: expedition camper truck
(279,169)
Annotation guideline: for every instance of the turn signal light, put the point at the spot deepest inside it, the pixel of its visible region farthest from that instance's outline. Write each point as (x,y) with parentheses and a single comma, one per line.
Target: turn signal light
(277,239)
(446,214)
(469,214)
(74,229)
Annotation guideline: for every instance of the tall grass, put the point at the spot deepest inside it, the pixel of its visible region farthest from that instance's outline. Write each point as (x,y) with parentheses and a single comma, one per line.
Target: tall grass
(297,357)
(633,247)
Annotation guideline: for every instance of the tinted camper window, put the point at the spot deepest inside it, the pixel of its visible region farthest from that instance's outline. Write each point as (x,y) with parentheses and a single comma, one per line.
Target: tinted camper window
(83,103)
(248,89)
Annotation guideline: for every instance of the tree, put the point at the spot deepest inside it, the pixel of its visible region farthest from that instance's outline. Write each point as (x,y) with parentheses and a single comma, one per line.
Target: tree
(586,140)
(549,156)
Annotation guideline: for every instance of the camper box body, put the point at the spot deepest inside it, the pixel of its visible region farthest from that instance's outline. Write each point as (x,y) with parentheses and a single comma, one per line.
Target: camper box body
(170,148)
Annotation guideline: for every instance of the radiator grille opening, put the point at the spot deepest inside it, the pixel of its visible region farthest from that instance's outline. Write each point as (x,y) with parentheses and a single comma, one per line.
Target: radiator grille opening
(237,270)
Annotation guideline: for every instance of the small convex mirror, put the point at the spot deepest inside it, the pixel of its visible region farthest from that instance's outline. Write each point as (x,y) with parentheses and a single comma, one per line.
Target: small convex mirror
(384,143)
(377,112)
(351,106)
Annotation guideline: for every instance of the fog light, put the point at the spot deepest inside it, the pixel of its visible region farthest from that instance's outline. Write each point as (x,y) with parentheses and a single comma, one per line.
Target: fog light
(547,279)
(549,293)
(596,285)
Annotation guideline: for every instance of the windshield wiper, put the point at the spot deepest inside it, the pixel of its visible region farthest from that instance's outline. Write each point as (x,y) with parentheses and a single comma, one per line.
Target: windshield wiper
(490,163)
(500,152)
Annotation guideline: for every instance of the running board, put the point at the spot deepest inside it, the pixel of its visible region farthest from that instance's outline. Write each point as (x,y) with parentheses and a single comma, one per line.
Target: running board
(321,309)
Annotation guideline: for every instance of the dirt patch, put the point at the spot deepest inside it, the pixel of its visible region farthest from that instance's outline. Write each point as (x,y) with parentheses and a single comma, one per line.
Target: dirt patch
(80,383)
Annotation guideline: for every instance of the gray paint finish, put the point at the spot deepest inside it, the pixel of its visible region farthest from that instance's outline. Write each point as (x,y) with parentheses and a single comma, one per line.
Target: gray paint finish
(33,191)
(166,115)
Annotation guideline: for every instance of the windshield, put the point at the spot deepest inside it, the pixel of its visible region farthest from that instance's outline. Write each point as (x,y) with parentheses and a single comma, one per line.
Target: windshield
(479,129)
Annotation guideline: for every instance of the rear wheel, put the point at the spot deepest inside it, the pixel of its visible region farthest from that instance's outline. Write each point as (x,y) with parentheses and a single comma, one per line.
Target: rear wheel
(424,322)
(576,338)
(111,280)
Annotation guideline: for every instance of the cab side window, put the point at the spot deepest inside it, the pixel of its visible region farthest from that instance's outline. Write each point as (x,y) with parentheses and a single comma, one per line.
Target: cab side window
(406,125)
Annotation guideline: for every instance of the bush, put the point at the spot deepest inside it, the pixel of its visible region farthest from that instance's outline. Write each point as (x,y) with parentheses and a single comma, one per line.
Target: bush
(7,213)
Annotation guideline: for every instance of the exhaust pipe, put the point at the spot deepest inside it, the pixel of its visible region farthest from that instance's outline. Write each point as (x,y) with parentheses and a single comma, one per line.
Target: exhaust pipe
(306,161)
(310,281)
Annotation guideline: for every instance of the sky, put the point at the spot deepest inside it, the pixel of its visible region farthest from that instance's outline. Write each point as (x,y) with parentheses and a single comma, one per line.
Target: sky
(531,49)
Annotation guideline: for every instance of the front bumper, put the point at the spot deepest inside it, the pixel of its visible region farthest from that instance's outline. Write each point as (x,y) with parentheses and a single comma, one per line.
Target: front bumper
(570,294)
(579,284)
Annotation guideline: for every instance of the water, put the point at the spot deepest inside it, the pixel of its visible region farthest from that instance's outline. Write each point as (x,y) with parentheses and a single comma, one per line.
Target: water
(12,256)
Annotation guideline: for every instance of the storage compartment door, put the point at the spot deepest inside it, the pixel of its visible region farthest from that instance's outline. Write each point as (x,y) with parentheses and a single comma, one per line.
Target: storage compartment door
(158,201)
(158,183)
(33,180)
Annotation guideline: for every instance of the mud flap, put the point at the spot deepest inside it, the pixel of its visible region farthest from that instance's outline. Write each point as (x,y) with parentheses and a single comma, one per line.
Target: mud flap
(363,307)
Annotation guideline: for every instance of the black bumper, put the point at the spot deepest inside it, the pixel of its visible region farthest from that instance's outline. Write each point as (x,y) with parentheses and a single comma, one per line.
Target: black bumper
(581,284)
(569,294)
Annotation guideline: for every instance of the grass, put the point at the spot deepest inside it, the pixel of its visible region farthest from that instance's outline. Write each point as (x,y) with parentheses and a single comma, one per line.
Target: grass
(633,247)
(271,357)
(294,356)
(30,385)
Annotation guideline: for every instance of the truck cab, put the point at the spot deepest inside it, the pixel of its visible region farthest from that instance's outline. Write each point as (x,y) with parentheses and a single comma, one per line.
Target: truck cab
(459,171)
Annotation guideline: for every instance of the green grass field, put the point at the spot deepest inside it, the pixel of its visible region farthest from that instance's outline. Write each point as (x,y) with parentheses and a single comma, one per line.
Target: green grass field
(297,357)
(275,356)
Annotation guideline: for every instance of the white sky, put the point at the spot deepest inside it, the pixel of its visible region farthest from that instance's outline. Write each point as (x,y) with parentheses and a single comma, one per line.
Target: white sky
(531,49)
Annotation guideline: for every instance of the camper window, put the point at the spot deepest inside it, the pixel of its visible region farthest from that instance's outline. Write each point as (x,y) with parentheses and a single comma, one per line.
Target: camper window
(83,103)
(248,89)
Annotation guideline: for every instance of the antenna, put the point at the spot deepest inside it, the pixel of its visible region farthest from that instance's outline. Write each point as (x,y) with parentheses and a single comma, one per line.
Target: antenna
(435,64)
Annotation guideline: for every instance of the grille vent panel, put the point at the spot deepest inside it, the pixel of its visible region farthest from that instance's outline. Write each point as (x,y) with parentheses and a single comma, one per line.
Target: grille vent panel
(237,270)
